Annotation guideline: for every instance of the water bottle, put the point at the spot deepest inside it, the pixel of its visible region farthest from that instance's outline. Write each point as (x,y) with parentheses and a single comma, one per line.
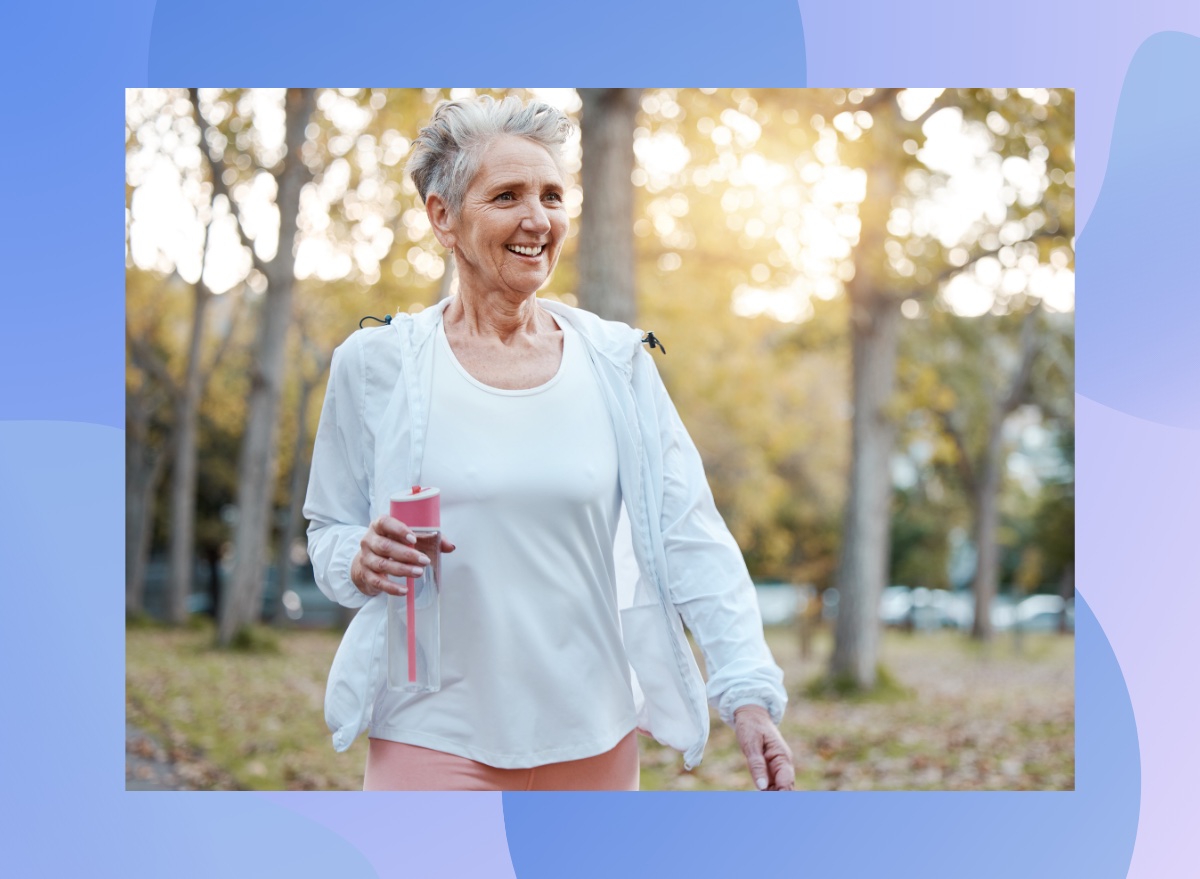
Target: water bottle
(413,626)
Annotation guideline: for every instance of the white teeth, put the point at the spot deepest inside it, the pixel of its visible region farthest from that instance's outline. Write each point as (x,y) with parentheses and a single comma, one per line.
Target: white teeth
(526,251)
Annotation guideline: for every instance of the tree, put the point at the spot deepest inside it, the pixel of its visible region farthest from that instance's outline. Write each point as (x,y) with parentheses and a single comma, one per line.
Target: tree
(146,453)
(605,255)
(982,472)
(223,194)
(885,274)
(183,383)
(1054,525)
(874,332)
(256,467)
(315,362)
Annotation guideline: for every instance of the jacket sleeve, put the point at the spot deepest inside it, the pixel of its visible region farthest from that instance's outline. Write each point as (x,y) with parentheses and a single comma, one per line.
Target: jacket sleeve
(338,501)
(709,583)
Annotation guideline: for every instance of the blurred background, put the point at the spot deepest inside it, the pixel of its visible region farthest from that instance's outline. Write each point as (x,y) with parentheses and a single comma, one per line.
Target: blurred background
(868,300)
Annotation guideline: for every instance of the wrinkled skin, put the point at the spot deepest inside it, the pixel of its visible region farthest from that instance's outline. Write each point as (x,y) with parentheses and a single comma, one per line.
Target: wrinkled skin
(767,754)
(387,548)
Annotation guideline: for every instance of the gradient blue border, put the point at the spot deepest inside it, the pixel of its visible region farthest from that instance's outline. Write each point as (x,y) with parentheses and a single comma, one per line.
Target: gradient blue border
(61,410)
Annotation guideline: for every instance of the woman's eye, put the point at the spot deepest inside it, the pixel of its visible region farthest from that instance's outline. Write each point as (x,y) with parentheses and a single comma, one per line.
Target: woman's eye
(554,196)
(505,196)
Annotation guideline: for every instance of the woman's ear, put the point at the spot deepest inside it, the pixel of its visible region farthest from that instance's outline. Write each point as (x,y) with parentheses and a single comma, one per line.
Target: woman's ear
(440,220)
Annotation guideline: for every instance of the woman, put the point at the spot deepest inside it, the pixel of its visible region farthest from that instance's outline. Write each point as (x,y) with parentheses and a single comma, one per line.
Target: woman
(564,471)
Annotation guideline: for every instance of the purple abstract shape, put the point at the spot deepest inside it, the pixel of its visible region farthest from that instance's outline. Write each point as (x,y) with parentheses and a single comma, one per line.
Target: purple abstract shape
(223,834)
(1139,300)
(414,834)
(1138,521)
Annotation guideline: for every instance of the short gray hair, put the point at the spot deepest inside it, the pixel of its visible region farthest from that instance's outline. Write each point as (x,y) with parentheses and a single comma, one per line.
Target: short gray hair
(448,151)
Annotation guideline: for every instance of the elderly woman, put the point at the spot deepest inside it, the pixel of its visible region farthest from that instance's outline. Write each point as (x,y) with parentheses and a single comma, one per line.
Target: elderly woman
(584,533)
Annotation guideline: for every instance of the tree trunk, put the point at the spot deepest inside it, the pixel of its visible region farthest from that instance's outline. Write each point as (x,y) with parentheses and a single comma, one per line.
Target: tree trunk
(874,332)
(987,518)
(863,565)
(1066,588)
(990,474)
(605,256)
(182,557)
(256,466)
(296,485)
(143,467)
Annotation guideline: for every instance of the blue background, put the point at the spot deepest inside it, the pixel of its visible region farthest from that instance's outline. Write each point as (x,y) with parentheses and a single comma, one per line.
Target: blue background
(61,439)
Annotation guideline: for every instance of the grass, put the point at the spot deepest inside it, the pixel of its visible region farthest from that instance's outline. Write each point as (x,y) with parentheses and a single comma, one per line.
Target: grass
(948,715)
(257,713)
(845,688)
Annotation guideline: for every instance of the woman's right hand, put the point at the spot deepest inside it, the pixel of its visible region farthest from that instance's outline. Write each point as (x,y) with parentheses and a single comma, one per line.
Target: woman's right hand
(387,548)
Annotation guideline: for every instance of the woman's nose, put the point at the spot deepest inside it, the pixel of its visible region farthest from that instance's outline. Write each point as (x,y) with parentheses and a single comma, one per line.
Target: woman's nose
(536,219)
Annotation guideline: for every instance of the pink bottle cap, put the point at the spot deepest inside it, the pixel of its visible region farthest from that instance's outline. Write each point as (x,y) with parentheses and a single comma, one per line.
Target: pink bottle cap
(419,508)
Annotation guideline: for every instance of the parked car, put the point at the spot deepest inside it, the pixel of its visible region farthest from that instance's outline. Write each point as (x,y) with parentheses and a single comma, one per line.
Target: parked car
(1004,612)
(959,610)
(781,603)
(895,605)
(1043,613)
(933,609)
(304,604)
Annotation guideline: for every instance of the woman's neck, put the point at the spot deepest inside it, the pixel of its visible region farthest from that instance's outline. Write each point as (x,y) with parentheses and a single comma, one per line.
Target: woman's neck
(494,315)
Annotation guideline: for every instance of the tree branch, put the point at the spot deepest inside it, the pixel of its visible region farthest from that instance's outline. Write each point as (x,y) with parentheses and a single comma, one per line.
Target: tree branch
(147,361)
(217,168)
(1018,390)
(950,271)
(223,344)
(938,103)
(881,96)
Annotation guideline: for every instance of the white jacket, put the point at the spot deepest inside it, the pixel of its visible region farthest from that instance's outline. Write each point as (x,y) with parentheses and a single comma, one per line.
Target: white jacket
(674,555)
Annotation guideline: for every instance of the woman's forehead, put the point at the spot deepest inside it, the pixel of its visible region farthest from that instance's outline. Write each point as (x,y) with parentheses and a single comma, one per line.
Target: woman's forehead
(519,158)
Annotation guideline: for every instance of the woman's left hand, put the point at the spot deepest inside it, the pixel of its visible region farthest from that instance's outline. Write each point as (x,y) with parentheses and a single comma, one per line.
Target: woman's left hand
(767,754)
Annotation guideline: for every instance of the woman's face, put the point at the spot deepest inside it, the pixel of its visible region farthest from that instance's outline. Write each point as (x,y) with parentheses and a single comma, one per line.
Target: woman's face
(512,224)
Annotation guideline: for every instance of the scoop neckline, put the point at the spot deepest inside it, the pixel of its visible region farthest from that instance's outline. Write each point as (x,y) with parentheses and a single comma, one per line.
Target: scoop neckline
(444,341)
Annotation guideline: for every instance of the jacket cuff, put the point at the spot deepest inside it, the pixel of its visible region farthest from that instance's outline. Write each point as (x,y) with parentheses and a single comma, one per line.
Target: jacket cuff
(348,595)
(761,697)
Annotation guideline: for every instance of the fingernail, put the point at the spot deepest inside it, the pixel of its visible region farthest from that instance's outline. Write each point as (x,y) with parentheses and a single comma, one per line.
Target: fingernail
(761,782)
(423,559)
(410,537)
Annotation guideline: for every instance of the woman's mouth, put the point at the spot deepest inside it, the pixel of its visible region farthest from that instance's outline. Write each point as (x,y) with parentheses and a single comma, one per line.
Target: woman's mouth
(526,251)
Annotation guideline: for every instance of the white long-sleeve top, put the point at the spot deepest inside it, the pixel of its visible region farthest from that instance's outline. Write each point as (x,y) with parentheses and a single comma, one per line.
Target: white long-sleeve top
(676,561)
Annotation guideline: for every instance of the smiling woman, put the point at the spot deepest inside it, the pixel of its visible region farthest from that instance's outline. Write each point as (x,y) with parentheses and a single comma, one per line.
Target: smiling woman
(508,234)
(558,455)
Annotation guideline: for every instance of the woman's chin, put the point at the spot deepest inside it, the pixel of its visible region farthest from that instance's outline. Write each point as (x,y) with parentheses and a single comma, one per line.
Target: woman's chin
(528,286)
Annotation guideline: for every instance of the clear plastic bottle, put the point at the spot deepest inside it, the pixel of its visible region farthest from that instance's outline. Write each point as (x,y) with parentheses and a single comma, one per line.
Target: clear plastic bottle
(413,622)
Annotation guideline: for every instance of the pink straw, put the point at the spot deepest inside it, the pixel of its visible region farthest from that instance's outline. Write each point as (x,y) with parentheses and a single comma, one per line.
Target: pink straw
(411,605)
(412,632)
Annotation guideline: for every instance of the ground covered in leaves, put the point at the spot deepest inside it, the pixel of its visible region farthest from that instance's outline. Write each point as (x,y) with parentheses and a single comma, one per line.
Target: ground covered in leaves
(959,717)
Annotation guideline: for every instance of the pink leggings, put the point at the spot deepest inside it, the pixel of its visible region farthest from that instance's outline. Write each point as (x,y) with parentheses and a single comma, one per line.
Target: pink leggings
(397,766)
